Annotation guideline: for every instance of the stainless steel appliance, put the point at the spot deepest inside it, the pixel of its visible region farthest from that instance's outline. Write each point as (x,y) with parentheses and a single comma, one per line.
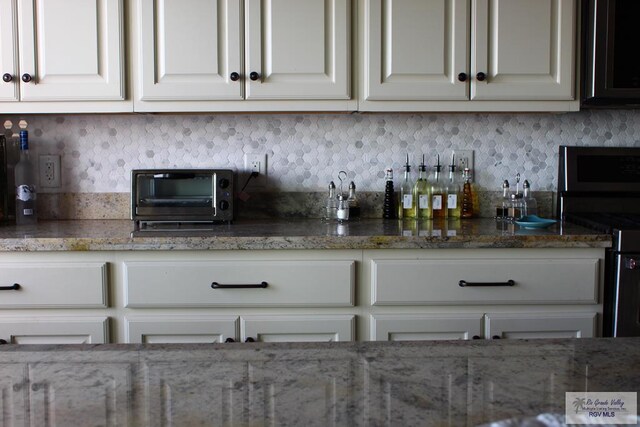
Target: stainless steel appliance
(611,64)
(181,196)
(599,187)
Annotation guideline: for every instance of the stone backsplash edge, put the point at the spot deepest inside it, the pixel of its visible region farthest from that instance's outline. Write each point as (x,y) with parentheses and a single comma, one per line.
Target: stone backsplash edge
(69,206)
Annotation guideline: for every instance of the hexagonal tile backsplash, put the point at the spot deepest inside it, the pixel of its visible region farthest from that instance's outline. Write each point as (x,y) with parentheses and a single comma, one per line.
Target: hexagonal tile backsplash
(306,151)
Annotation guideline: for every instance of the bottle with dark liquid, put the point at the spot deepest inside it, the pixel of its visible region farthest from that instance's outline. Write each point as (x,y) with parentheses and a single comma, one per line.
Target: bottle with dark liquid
(354,205)
(389,203)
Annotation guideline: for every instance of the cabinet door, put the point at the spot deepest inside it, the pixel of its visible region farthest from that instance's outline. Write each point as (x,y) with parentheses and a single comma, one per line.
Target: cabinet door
(173,329)
(54,330)
(415,49)
(80,394)
(540,325)
(9,91)
(72,49)
(300,49)
(188,50)
(293,328)
(526,49)
(396,327)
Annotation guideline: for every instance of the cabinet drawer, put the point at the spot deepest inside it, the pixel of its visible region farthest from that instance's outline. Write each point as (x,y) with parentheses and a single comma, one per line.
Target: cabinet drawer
(288,283)
(53,285)
(425,282)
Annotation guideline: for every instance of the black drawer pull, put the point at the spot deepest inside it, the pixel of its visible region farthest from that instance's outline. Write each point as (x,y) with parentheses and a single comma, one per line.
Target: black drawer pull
(13,287)
(216,285)
(464,283)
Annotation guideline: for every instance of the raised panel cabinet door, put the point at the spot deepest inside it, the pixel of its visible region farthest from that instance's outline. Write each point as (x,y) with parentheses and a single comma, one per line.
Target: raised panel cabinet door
(54,330)
(9,86)
(180,329)
(298,328)
(189,49)
(71,50)
(425,327)
(540,325)
(525,49)
(416,50)
(298,49)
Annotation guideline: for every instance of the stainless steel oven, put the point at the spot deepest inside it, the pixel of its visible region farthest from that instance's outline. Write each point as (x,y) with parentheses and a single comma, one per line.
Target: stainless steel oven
(599,187)
(181,196)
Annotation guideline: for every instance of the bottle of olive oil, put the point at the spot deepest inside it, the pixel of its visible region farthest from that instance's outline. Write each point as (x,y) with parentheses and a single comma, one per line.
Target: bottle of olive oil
(454,198)
(438,194)
(406,193)
(422,193)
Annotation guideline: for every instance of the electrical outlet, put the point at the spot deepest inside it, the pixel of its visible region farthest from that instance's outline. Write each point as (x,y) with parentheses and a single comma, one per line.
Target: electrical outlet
(464,159)
(254,162)
(50,171)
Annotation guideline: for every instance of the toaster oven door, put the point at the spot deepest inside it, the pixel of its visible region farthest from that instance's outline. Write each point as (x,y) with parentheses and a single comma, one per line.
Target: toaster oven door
(179,195)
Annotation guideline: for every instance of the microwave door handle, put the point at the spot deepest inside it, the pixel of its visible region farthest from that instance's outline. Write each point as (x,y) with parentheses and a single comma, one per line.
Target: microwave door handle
(175,175)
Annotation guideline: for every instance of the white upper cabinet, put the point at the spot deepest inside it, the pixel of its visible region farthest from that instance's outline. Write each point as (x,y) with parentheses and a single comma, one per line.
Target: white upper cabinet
(524,48)
(415,49)
(468,55)
(193,53)
(189,50)
(58,52)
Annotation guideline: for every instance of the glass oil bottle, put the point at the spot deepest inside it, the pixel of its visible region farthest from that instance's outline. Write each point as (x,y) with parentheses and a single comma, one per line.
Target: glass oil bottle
(354,204)
(408,209)
(469,200)
(389,202)
(438,194)
(529,204)
(454,198)
(331,204)
(502,204)
(422,193)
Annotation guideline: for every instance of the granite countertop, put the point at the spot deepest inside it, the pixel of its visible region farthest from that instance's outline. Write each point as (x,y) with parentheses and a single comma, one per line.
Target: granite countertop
(437,383)
(105,235)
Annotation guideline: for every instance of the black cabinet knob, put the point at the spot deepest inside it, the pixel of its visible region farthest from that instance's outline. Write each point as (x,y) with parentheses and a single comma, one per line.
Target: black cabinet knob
(26,78)
(249,339)
(3,342)
(254,76)
(462,77)
(223,183)
(223,205)
(229,340)
(481,76)
(7,77)
(496,337)
(476,337)
(234,77)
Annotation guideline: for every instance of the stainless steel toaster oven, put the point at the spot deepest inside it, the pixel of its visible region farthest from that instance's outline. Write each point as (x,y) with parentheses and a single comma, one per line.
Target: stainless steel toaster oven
(181,195)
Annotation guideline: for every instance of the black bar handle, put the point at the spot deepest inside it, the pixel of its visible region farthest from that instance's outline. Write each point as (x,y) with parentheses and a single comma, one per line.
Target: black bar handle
(464,283)
(216,285)
(13,287)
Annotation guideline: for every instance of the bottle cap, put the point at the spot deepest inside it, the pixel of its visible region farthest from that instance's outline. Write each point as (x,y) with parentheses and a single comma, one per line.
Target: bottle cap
(352,185)
(24,140)
(526,184)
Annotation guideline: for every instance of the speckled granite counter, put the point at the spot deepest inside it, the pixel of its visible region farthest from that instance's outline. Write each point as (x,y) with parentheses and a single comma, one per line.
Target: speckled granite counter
(442,383)
(105,235)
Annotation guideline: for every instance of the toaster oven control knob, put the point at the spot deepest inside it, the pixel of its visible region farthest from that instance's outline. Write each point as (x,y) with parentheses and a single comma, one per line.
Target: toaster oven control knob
(223,183)
(223,205)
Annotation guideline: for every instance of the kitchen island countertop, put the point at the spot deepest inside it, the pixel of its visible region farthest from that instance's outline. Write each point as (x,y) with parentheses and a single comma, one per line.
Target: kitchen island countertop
(105,235)
(454,383)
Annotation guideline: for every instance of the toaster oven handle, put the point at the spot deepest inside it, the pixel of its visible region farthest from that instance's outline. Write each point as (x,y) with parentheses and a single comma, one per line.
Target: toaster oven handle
(175,175)
(216,285)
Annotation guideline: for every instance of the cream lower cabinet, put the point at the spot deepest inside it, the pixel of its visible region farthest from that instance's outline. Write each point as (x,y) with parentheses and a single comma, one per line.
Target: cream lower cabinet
(232,296)
(484,293)
(53,299)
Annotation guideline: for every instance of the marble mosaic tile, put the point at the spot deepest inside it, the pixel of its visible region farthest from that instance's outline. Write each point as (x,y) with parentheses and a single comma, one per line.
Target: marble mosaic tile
(306,151)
